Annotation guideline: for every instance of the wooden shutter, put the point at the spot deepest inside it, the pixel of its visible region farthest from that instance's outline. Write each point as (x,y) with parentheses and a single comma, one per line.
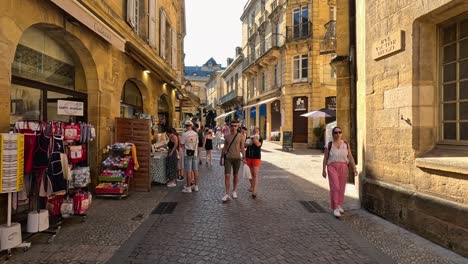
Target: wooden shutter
(162,35)
(174,49)
(152,23)
(131,19)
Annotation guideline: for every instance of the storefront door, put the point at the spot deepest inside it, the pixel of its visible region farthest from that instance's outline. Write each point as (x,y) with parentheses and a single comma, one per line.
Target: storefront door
(300,124)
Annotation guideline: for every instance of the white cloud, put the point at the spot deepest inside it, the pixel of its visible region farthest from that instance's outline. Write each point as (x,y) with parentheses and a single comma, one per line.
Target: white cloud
(214,30)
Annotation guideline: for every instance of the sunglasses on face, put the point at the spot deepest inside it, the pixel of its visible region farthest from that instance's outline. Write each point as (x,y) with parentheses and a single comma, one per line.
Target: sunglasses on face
(337,132)
(234,125)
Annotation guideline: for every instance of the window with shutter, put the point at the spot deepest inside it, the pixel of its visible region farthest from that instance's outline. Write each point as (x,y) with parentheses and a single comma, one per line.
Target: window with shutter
(174,49)
(162,36)
(152,23)
(131,13)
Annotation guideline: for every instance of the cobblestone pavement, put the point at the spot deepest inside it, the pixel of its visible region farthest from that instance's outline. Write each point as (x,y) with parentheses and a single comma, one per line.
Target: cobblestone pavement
(109,223)
(274,228)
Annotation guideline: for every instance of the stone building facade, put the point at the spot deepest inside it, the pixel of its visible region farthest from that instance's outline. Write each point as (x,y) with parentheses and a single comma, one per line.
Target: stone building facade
(285,74)
(412,113)
(95,51)
(198,76)
(232,97)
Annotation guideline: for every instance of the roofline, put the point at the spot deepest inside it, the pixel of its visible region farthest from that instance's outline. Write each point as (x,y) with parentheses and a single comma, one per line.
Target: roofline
(230,68)
(247,7)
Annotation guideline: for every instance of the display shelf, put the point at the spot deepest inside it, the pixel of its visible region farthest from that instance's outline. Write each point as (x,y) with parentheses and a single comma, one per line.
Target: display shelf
(111,179)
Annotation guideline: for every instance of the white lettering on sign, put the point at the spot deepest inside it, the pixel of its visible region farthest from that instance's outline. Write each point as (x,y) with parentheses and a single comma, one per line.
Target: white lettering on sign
(71,108)
(389,44)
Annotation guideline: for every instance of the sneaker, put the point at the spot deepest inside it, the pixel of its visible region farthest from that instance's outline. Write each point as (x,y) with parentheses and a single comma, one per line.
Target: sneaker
(336,213)
(254,195)
(171,184)
(226,198)
(195,188)
(199,163)
(180,178)
(340,209)
(187,189)
(234,195)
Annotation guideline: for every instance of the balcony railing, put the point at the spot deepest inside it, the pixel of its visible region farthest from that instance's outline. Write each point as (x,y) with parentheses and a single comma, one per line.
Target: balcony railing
(231,95)
(266,45)
(328,44)
(299,32)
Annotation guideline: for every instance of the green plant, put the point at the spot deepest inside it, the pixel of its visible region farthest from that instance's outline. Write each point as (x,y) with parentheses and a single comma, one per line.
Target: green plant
(319,132)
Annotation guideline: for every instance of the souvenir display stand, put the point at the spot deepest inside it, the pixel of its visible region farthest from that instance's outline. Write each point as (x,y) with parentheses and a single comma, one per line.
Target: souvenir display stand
(11,180)
(56,173)
(138,132)
(117,169)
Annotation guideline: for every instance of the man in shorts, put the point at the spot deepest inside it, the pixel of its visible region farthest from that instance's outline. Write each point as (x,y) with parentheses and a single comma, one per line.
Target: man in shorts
(233,147)
(190,142)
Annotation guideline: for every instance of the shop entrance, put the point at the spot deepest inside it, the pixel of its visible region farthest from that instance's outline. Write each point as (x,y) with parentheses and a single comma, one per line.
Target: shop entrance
(163,114)
(275,119)
(300,124)
(131,101)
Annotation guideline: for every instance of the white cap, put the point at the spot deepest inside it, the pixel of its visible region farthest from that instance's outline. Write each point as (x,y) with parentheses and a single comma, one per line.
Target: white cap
(188,123)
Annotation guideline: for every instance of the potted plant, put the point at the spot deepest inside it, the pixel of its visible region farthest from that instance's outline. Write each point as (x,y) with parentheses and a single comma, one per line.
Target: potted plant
(319,132)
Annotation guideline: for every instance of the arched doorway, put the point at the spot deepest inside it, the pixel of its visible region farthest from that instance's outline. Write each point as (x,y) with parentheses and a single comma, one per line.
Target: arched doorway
(131,101)
(46,75)
(163,114)
(263,120)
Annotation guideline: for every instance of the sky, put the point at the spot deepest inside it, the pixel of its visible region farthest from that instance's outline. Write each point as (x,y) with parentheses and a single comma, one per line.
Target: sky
(214,30)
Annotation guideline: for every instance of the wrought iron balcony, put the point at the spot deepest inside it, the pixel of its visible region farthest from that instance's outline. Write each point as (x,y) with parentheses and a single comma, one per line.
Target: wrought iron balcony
(299,32)
(231,95)
(266,45)
(328,44)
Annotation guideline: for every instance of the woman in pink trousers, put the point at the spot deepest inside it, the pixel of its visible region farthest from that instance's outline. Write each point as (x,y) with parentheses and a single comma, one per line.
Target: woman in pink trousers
(335,161)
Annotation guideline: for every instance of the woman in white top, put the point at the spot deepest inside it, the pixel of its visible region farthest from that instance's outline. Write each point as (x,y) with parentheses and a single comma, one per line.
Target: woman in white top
(335,161)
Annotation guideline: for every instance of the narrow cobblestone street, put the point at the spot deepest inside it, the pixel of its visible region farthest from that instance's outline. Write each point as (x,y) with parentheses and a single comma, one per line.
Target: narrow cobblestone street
(274,228)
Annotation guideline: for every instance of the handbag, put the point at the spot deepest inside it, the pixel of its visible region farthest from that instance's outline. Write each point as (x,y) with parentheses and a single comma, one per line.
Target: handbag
(225,154)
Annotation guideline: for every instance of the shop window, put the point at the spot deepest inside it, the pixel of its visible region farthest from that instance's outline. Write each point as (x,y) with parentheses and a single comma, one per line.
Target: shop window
(300,68)
(43,71)
(453,47)
(39,57)
(131,100)
(25,103)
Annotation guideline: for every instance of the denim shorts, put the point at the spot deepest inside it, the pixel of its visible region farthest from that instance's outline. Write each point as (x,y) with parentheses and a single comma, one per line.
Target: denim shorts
(191,163)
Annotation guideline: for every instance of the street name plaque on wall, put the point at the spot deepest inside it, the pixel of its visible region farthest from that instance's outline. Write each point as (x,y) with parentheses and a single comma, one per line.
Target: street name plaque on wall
(388,45)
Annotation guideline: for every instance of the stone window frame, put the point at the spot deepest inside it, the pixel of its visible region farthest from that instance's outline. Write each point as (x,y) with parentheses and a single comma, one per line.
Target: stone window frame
(429,151)
(300,58)
(456,21)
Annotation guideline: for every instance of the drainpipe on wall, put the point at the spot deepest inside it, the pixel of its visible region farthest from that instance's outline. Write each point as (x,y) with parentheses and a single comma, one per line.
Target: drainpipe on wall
(352,79)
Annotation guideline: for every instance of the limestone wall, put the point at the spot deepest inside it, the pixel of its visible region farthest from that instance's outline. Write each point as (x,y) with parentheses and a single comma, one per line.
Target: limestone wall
(402,115)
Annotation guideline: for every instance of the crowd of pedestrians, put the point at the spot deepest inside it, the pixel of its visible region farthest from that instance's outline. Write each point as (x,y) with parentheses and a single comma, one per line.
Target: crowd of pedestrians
(238,148)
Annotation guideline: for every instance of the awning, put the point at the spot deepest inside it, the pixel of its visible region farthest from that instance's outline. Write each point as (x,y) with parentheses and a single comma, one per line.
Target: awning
(225,114)
(262,102)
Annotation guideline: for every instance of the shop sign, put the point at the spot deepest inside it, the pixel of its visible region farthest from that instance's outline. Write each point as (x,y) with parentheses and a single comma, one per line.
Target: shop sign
(88,19)
(287,140)
(330,102)
(387,45)
(300,104)
(71,108)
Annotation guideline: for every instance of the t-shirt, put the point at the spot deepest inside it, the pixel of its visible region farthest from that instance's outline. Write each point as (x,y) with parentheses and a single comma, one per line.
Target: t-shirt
(254,152)
(190,140)
(235,151)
